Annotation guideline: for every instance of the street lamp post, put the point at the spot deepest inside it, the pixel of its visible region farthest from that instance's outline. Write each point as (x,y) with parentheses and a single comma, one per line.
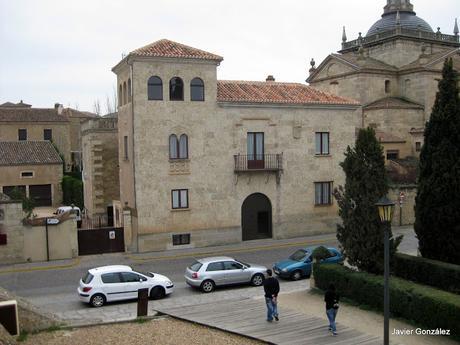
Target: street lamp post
(386,208)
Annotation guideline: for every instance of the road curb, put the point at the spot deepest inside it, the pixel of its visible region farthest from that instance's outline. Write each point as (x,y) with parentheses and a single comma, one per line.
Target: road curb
(236,250)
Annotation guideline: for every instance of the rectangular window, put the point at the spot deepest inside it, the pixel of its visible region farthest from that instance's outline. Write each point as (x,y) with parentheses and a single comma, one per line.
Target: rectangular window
(125,147)
(22,134)
(322,143)
(27,174)
(179,198)
(418,146)
(181,239)
(392,154)
(323,193)
(47,134)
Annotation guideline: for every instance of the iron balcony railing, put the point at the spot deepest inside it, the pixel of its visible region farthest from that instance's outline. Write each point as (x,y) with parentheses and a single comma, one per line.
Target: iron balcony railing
(258,162)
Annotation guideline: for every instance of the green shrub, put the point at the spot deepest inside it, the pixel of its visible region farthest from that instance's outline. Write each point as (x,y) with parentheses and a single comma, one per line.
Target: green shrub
(72,190)
(439,274)
(426,306)
(320,253)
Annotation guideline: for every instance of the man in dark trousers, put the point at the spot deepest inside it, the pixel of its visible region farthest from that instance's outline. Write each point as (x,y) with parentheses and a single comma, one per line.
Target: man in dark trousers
(271,288)
(332,306)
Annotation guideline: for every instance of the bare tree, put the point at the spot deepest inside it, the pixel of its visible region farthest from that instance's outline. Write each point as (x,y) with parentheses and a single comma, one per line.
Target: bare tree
(111,102)
(97,107)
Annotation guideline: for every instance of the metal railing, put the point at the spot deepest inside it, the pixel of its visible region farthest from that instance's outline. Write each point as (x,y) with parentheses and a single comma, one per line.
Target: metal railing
(258,162)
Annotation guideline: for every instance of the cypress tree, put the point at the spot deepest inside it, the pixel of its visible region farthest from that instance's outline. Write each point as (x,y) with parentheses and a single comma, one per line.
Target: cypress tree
(437,204)
(361,232)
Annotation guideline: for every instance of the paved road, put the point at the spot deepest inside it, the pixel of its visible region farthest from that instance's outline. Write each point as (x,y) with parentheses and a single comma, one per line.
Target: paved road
(55,289)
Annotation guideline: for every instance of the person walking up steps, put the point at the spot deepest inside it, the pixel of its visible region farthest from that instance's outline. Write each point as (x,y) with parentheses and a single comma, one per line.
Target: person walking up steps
(332,306)
(271,289)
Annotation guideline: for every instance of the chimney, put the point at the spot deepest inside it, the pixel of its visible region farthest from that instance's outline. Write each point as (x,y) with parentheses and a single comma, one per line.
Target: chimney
(270,78)
(59,107)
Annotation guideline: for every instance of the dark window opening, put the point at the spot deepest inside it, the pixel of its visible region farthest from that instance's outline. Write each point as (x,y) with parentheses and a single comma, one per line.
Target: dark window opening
(47,134)
(392,154)
(181,239)
(418,146)
(197,90)
(155,89)
(22,134)
(125,147)
(129,90)
(323,193)
(387,86)
(176,89)
(27,174)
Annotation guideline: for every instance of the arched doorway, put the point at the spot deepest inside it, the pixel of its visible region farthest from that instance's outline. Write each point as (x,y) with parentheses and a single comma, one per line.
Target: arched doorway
(256,217)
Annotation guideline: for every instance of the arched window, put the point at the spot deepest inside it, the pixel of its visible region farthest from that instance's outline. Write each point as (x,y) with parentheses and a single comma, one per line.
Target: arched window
(178,148)
(183,146)
(129,90)
(176,89)
(124,93)
(173,147)
(120,96)
(155,89)
(197,89)
(387,86)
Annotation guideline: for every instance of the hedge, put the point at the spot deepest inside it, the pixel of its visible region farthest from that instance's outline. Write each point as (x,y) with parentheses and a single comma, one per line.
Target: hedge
(426,306)
(442,275)
(72,190)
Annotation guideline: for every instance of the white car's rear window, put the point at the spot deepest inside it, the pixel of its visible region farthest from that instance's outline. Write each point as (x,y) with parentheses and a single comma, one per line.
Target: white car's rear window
(195,266)
(87,278)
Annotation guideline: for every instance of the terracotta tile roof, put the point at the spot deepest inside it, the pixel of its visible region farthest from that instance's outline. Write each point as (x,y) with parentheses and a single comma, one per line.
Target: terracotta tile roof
(28,153)
(393,103)
(274,92)
(385,137)
(15,105)
(30,115)
(76,113)
(167,48)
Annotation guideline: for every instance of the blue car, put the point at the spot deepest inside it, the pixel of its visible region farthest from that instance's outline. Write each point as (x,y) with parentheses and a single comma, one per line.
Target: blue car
(299,263)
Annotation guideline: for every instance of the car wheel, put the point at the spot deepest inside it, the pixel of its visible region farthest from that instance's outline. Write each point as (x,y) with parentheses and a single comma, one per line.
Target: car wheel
(157,292)
(97,300)
(296,275)
(207,286)
(257,279)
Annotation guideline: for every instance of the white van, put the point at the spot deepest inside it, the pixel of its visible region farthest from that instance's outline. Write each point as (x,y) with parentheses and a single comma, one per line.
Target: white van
(74,210)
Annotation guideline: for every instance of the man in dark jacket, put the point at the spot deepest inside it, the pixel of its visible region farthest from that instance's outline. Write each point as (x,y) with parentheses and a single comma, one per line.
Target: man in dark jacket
(332,306)
(271,288)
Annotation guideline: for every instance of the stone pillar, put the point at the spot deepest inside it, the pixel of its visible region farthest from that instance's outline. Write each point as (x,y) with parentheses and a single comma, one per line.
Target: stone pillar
(128,230)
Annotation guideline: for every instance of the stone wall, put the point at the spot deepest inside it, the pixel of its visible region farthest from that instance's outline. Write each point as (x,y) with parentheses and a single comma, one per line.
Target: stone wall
(31,318)
(216,132)
(27,243)
(11,216)
(404,213)
(101,173)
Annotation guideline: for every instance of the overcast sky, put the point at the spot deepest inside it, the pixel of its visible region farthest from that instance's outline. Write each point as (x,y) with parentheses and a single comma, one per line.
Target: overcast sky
(63,51)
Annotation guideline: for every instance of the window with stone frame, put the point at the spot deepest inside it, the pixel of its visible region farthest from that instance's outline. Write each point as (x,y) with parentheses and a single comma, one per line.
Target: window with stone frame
(22,134)
(178,147)
(48,134)
(176,89)
(179,199)
(155,89)
(196,90)
(392,154)
(322,143)
(323,193)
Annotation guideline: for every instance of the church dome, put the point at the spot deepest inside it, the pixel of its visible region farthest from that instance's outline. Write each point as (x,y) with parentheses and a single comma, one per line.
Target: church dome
(407,18)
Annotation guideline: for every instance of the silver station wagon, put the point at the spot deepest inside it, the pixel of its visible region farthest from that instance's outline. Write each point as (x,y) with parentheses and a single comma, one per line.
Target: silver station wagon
(207,273)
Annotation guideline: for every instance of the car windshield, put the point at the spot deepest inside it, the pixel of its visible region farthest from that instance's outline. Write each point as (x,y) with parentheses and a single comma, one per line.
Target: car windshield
(299,255)
(195,266)
(243,263)
(147,274)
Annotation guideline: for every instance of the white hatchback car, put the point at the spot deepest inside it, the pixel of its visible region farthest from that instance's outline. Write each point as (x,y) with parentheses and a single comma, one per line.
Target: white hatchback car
(115,283)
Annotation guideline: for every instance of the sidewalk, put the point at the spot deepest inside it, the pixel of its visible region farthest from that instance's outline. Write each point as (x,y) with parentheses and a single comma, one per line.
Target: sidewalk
(407,246)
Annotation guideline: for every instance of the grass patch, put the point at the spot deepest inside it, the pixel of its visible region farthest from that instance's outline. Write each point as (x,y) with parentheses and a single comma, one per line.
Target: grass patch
(142,320)
(22,337)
